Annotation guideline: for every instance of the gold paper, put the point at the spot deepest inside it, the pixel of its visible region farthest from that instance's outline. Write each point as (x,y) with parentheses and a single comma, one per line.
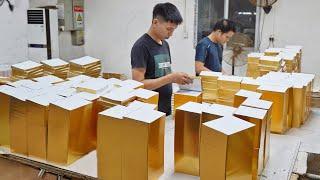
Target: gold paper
(226,155)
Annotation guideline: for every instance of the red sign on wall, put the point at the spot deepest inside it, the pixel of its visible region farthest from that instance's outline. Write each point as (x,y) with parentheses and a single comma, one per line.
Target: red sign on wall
(78,9)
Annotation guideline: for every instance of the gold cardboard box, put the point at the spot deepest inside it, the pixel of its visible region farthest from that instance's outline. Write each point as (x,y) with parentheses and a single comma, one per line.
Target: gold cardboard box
(249,84)
(225,102)
(299,96)
(273,51)
(130,138)
(229,82)
(258,117)
(226,149)
(68,132)
(37,124)
(279,95)
(186,138)
(4,115)
(266,105)
(181,97)
(216,111)
(242,95)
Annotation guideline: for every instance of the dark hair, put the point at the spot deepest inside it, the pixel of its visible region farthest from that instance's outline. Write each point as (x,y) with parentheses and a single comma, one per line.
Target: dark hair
(168,12)
(225,26)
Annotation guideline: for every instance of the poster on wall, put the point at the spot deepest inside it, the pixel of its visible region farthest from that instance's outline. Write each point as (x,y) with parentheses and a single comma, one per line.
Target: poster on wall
(78,17)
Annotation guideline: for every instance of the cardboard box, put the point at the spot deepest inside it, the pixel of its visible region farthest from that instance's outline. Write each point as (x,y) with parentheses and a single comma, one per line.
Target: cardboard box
(279,95)
(37,124)
(226,149)
(130,138)
(188,119)
(216,111)
(181,97)
(242,95)
(258,117)
(266,105)
(4,114)
(68,132)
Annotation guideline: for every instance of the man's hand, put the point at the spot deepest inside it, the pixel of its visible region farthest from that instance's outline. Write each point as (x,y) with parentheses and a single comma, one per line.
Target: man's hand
(181,78)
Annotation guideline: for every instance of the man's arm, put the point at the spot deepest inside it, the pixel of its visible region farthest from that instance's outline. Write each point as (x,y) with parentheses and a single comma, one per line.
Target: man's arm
(199,65)
(152,84)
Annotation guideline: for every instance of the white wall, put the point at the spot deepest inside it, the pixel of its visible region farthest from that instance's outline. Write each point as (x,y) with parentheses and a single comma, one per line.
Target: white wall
(13,29)
(112,27)
(67,51)
(296,22)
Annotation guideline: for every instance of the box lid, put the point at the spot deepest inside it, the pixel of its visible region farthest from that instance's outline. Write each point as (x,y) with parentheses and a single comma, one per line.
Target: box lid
(192,107)
(229,125)
(145,115)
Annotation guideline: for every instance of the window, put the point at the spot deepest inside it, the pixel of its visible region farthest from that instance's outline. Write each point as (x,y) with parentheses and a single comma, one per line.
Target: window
(240,11)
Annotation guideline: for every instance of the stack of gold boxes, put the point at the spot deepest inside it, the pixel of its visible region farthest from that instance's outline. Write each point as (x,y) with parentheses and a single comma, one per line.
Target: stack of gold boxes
(298,50)
(146,96)
(249,84)
(258,117)
(49,79)
(226,149)
(56,67)
(209,83)
(228,86)
(181,97)
(253,64)
(273,51)
(270,63)
(68,132)
(130,137)
(26,70)
(37,124)
(290,61)
(242,95)
(86,65)
(119,96)
(265,105)
(108,75)
(279,95)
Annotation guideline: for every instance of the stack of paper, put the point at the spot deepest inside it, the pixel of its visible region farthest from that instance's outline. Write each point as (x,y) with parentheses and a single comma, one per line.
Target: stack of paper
(108,75)
(253,64)
(26,70)
(270,63)
(86,65)
(56,67)
(228,86)
(209,82)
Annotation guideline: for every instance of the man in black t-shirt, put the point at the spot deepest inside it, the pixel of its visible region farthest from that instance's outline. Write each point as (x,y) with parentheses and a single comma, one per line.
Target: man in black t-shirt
(150,56)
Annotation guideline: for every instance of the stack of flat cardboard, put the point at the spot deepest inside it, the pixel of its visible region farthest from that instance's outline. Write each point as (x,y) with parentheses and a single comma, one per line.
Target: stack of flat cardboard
(118,96)
(253,64)
(94,86)
(108,75)
(146,96)
(130,138)
(298,50)
(26,70)
(68,132)
(258,117)
(249,84)
(56,67)
(86,65)
(228,86)
(49,79)
(226,149)
(270,63)
(132,84)
(209,83)
(273,51)
(290,61)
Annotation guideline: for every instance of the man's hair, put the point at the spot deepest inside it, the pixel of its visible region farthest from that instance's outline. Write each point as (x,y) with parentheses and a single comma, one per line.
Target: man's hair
(168,12)
(225,26)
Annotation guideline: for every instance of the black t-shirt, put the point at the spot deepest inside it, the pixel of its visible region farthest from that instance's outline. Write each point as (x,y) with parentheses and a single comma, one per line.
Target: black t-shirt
(155,58)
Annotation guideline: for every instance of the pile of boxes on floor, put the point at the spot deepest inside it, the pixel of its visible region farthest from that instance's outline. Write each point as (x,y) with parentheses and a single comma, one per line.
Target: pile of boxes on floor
(56,120)
(286,59)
